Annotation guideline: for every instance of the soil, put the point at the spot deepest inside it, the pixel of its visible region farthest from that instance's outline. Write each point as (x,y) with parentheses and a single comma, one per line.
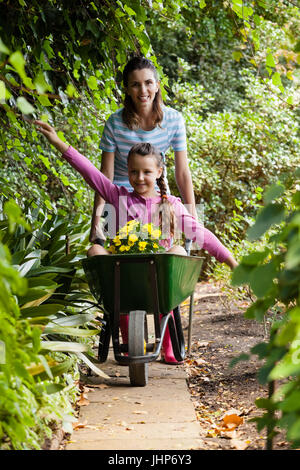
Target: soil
(220,333)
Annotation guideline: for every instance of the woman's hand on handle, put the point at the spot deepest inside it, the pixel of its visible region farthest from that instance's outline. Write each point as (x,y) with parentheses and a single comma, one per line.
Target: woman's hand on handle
(50,134)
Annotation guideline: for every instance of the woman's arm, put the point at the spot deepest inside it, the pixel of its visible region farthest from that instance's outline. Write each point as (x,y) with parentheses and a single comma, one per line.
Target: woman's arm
(107,168)
(184,181)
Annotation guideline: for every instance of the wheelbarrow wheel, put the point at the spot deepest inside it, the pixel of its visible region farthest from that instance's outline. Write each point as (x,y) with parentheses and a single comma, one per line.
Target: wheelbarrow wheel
(138,372)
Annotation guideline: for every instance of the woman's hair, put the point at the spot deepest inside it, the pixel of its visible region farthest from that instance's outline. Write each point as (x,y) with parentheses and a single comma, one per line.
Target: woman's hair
(130,116)
(165,209)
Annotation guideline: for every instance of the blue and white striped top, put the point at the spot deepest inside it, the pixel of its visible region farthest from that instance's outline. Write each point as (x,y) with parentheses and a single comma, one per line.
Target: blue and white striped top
(119,139)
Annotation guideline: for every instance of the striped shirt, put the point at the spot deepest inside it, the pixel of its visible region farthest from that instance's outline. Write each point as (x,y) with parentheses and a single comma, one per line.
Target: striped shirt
(119,139)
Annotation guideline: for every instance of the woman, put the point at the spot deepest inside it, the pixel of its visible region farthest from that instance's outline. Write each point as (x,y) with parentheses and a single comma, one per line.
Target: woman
(144,118)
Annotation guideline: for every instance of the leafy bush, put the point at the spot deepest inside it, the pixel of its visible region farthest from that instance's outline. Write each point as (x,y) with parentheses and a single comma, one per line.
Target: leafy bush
(46,323)
(274,277)
(235,155)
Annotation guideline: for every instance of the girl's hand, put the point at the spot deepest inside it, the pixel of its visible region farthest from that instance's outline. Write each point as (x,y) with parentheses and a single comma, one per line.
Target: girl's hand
(50,134)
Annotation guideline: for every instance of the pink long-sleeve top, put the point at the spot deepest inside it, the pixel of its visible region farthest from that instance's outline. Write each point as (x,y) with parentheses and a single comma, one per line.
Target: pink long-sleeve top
(129,205)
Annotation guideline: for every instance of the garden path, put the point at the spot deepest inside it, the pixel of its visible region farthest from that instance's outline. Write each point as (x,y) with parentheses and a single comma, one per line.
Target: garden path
(118,416)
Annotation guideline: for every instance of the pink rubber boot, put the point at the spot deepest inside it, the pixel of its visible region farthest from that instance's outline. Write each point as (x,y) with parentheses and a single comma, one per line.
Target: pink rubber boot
(124,320)
(167,349)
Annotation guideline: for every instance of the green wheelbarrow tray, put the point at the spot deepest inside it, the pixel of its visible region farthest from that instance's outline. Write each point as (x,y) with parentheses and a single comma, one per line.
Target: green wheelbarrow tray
(141,284)
(176,277)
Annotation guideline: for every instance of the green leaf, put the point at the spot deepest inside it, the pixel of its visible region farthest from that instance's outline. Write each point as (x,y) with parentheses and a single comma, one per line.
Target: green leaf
(261,278)
(41,310)
(64,346)
(2,91)
(268,216)
(92,82)
(3,47)
(67,330)
(241,274)
(273,192)
(24,106)
(92,365)
(237,55)
(270,62)
(293,254)
(276,80)
(256,257)
(18,62)
(44,100)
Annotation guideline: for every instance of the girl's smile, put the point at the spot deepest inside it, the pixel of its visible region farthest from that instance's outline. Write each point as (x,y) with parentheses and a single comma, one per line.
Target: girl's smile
(143,173)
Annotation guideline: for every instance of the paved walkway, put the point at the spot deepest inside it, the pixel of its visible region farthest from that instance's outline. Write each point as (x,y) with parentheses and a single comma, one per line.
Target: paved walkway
(159,416)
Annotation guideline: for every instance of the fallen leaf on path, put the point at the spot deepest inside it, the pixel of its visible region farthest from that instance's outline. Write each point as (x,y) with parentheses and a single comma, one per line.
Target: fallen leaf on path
(83,401)
(79,425)
(98,386)
(202,344)
(199,362)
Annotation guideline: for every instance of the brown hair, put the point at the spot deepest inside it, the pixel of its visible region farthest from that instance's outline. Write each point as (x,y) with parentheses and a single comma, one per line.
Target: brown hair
(130,116)
(165,209)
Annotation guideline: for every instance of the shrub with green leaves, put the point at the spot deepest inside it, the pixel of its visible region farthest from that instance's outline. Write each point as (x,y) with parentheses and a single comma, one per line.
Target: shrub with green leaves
(273,274)
(47,323)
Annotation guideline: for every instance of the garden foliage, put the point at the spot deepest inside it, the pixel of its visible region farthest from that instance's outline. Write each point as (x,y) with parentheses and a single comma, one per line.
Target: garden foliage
(274,277)
(232,69)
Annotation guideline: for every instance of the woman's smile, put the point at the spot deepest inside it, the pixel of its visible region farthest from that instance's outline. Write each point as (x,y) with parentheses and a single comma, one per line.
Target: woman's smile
(142,87)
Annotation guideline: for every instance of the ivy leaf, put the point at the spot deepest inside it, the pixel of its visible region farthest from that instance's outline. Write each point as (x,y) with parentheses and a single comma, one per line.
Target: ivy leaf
(3,47)
(2,91)
(92,82)
(18,62)
(24,106)
(270,62)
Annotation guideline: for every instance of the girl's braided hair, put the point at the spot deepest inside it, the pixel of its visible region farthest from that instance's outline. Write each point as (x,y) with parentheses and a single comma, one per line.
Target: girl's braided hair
(129,114)
(165,208)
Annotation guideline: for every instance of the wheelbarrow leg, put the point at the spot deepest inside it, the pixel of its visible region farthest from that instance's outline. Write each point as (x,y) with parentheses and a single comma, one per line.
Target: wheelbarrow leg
(104,339)
(190,323)
(188,250)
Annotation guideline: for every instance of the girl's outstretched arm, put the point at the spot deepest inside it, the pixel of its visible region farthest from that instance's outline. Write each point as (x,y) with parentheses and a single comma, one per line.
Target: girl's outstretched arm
(90,173)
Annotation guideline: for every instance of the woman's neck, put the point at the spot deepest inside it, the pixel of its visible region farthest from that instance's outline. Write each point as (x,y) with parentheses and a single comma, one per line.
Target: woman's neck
(146,120)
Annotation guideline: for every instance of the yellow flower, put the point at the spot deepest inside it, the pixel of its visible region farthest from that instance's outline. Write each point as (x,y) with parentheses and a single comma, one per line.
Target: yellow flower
(155,245)
(117,241)
(156,233)
(142,246)
(123,232)
(112,249)
(132,238)
(146,228)
(123,248)
(132,222)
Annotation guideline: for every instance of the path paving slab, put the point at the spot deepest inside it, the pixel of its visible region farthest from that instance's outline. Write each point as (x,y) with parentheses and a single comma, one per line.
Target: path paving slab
(159,416)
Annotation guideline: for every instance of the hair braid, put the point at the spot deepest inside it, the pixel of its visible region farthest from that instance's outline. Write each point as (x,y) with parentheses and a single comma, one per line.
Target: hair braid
(166,209)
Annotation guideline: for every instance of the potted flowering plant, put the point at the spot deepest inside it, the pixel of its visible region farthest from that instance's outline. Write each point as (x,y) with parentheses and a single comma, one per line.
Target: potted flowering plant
(135,237)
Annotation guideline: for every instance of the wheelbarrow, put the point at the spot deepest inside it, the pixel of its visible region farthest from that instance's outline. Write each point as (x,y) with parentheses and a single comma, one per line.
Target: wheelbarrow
(141,285)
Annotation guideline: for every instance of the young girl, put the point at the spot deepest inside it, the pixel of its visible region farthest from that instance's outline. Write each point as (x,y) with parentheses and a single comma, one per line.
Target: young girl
(145,171)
